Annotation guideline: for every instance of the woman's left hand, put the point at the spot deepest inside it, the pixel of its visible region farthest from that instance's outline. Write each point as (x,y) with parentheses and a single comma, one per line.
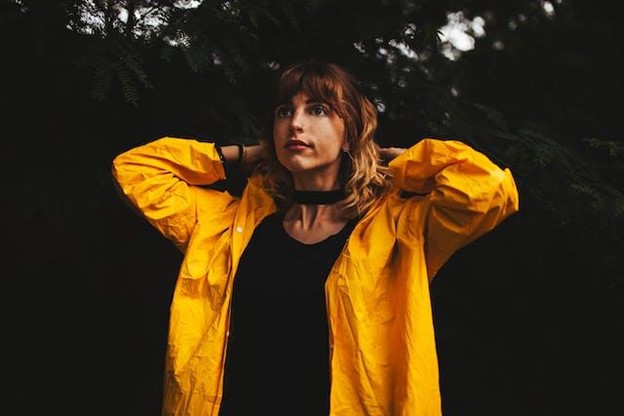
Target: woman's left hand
(389,153)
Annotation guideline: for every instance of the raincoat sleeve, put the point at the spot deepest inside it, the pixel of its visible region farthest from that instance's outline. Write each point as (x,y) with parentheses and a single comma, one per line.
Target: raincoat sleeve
(468,194)
(162,180)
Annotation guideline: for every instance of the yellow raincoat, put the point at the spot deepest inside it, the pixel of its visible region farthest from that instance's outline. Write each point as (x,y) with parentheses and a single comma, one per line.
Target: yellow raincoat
(383,353)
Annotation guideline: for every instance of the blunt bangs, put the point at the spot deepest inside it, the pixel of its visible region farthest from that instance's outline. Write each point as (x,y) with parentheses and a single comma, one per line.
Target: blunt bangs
(321,84)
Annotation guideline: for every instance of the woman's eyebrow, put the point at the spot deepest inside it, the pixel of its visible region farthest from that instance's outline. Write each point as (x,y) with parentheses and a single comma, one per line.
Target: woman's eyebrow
(315,101)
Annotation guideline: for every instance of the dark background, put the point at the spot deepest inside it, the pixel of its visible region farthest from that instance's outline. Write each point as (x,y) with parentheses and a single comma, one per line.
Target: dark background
(528,318)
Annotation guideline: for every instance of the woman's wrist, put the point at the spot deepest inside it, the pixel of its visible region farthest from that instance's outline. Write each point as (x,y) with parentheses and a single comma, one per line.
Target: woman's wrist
(240,154)
(230,153)
(253,154)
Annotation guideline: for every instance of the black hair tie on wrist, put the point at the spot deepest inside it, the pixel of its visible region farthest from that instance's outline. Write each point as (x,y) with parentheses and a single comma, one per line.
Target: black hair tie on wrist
(242,150)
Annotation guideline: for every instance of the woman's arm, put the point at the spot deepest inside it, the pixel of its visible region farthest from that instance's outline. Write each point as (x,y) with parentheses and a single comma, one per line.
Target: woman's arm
(162,179)
(245,155)
(468,193)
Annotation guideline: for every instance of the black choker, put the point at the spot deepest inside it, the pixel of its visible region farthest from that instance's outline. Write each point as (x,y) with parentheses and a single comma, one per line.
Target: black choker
(318,197)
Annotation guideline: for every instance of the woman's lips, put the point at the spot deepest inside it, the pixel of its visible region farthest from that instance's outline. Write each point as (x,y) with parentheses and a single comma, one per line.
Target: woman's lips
(296,144)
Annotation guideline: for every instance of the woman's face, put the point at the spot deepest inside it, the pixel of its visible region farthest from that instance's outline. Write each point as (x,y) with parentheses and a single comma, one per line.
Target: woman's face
(308,138)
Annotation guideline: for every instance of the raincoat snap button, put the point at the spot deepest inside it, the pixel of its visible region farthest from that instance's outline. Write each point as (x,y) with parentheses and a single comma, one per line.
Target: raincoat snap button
(239,229)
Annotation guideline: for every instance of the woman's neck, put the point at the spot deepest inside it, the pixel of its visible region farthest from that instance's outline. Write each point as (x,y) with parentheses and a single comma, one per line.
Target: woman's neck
(315,182)
(310,215)
(313,223)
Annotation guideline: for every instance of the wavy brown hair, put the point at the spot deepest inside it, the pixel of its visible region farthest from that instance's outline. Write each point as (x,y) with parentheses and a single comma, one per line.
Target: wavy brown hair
(362,175)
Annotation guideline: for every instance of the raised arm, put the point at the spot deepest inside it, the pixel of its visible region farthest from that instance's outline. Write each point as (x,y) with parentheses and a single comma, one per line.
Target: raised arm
(162,179)
(469,195)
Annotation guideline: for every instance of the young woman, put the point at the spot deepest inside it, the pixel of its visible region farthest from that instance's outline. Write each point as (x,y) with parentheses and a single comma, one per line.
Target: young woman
(308,294)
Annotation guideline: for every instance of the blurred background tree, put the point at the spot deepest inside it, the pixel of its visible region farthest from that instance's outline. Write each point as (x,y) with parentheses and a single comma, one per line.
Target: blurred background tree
(528,317)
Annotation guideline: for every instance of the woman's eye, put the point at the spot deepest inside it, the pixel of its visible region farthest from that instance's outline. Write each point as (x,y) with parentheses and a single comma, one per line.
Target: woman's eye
(319,110)
(283,112)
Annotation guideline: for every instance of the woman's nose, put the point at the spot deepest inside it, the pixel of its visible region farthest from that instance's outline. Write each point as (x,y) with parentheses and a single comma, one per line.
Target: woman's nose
(296,122)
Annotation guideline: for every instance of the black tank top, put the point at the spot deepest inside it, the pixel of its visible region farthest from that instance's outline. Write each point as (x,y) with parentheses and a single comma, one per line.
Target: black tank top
(278,350)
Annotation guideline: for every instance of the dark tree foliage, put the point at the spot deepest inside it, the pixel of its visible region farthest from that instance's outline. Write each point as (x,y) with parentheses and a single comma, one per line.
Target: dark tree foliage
(528,318)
